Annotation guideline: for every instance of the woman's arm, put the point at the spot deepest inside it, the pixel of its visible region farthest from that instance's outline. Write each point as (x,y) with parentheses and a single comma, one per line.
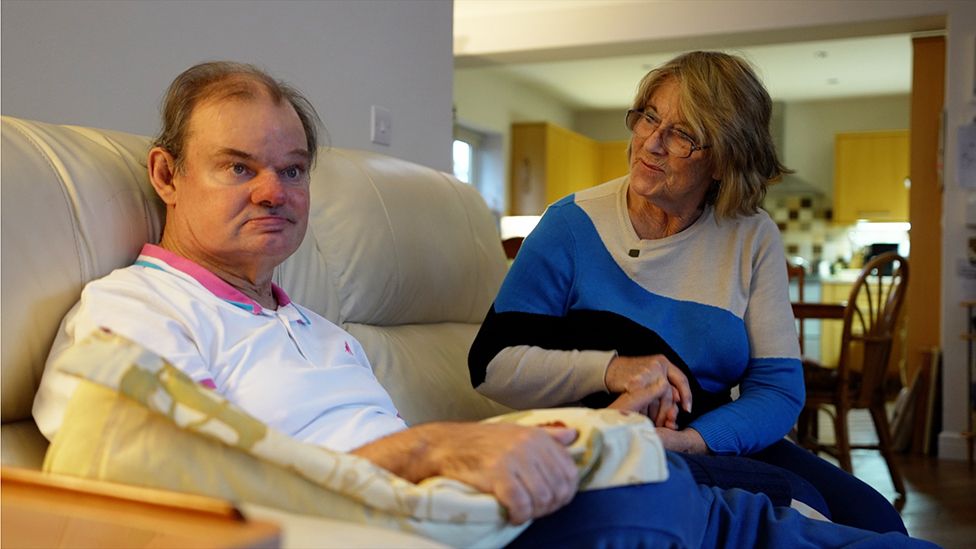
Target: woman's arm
(771,390)
(524,376)
(522,356)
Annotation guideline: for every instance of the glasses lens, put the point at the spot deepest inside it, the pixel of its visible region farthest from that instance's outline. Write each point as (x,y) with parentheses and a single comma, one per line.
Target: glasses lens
(677,144)
(631,121)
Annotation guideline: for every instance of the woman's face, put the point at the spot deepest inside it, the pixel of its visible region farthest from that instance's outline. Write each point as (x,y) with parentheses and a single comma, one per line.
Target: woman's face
(676,185)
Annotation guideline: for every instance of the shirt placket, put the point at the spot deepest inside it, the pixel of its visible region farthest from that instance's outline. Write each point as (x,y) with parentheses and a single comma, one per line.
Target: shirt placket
(286,323)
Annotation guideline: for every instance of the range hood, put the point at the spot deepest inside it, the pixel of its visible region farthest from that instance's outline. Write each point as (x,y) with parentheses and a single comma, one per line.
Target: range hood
(791,185)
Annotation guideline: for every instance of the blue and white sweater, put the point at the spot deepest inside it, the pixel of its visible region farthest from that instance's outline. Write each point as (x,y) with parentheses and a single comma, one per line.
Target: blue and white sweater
(713,298)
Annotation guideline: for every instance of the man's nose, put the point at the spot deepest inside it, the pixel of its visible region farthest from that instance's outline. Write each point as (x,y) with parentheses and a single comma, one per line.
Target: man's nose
(268,190)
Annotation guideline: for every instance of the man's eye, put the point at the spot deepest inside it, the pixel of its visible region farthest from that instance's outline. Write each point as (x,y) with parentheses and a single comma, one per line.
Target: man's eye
(293,172)
(238,169)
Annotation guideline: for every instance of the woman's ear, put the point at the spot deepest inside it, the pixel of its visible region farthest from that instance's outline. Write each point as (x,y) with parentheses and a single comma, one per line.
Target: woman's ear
(716,173)
(162,170)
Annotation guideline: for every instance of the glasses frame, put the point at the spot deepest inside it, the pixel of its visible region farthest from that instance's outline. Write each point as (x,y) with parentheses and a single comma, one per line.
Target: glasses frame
(666,137)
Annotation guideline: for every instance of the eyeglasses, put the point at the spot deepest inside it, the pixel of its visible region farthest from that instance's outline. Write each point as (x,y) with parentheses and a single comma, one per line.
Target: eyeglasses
(676,142)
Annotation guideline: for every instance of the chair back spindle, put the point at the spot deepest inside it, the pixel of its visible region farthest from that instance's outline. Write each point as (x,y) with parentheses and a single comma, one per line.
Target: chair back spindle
(870,323)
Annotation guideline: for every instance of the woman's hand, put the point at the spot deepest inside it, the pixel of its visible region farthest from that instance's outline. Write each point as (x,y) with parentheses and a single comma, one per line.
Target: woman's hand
(651,385)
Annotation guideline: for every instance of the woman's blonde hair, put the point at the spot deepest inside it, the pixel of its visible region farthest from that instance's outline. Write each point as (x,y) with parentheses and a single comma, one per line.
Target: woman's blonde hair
(727,108)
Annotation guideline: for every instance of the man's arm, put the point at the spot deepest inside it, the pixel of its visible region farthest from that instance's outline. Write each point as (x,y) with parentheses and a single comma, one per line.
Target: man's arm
(528,469)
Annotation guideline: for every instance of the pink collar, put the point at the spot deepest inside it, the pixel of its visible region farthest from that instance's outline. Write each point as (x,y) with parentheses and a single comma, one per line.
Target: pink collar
(216,285)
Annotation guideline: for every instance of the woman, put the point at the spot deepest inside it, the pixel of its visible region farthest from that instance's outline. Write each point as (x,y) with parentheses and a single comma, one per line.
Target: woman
(672,269)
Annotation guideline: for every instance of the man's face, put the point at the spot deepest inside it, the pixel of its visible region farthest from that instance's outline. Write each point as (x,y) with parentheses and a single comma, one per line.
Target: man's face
(241,198)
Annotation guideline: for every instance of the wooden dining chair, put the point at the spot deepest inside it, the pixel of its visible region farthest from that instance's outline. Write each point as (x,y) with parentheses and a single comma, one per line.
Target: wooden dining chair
(512,245)
(797,273)
(870,317)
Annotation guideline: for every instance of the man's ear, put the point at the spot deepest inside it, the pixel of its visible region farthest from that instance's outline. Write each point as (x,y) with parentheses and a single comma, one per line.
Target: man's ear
(162,170)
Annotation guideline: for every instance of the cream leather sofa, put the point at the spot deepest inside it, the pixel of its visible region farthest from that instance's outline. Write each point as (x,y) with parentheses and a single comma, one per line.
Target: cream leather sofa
(405,258)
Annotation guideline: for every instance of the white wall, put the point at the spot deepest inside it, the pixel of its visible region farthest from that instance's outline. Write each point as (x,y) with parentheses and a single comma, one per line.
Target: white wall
(489,101)
(107,63)
(543,30)
(960,109)
(809,128)
(602,125)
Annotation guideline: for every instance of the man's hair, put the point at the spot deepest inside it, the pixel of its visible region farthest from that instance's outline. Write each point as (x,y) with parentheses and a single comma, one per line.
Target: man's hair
(219,80)
(726,107)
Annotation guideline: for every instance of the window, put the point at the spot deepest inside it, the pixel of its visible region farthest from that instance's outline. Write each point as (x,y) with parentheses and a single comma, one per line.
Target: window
(463,153)
(479,162)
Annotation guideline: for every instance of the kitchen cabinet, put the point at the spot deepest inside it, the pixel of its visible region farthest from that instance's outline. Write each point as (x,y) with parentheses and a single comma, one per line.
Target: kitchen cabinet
(831,330)
(549,162)
(613,159)
(870,169)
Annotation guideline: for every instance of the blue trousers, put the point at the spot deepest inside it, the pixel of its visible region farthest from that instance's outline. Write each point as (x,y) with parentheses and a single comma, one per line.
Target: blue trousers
(682,513)
(745,473)
(786,471)
(850,500)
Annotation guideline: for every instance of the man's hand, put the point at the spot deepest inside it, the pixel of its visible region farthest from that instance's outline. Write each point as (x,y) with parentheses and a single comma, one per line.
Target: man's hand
(651,385)
(528,469)
(687,440)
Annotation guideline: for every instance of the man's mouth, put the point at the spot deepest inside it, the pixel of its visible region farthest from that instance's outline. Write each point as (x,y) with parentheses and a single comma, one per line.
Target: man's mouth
(271,221)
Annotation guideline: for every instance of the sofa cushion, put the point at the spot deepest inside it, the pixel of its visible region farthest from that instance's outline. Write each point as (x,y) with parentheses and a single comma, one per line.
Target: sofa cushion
(76,204)
(408,260)
(137,420)
(427,360)
(391,242)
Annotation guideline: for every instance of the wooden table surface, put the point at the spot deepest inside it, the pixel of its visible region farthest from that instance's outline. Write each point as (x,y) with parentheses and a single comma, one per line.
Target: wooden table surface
(43,510)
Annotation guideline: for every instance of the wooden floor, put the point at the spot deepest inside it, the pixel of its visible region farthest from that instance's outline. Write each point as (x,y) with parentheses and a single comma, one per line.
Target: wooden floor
(941,502)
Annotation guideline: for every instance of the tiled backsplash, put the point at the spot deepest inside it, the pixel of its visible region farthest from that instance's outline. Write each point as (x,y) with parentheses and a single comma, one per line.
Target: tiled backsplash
(805,224)
(810,238)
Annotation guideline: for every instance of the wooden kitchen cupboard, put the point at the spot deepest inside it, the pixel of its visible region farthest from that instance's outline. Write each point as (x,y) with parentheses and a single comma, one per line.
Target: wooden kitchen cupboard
(549,162)
(870,169)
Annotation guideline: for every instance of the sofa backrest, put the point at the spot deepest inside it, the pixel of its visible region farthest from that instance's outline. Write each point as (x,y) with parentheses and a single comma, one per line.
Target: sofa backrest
(406,258)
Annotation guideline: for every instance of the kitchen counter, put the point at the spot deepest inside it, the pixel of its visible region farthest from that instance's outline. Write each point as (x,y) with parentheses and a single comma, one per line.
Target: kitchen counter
(843,276)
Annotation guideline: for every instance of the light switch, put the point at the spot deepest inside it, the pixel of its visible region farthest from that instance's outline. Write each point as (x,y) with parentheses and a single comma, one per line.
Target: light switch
(381,125)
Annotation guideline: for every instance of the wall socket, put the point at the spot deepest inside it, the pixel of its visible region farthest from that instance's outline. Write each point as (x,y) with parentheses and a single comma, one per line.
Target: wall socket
(381,125)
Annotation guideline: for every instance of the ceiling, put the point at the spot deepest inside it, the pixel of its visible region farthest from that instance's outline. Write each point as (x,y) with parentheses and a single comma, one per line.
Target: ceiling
(796,71)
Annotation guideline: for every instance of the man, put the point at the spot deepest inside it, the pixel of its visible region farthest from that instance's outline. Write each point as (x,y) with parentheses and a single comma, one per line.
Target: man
(232,167)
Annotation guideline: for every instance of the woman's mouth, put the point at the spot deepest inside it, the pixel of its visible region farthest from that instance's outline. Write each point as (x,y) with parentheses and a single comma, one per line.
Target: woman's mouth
(651,165)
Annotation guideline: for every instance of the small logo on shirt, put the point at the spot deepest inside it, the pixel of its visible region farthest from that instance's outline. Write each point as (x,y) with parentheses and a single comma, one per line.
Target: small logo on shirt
(348,349)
